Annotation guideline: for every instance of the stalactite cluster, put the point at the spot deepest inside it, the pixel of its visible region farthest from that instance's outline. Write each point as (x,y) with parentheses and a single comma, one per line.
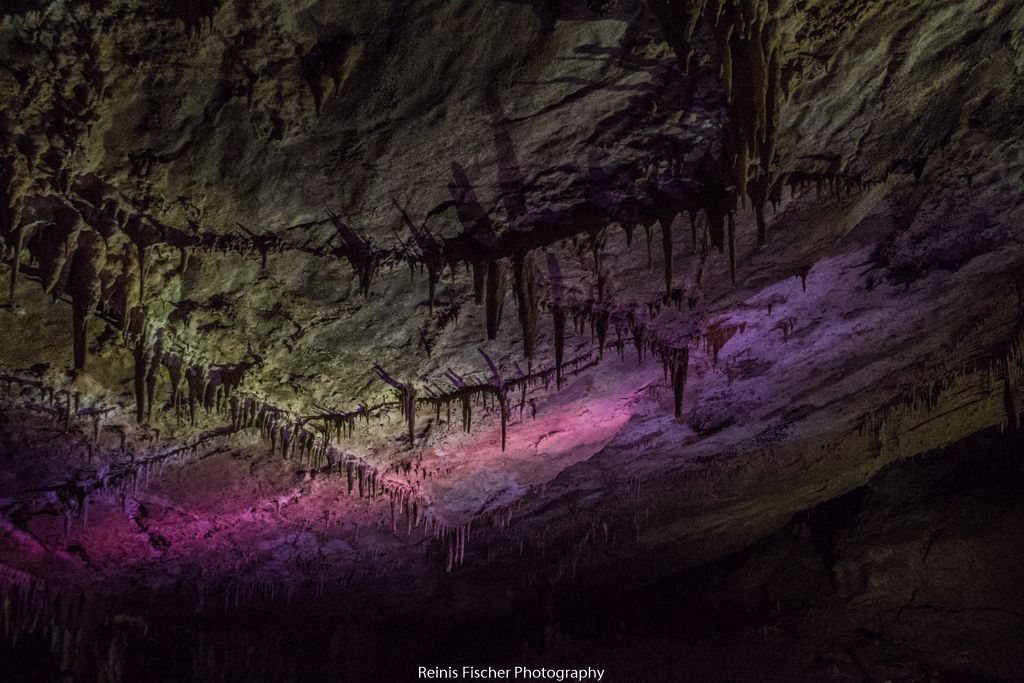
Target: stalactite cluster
(364,257)
(834,184)
(717,336)
(749,59)
(424,250)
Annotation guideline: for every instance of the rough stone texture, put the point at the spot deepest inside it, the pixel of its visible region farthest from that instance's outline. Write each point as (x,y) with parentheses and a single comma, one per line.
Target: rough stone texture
(168,173)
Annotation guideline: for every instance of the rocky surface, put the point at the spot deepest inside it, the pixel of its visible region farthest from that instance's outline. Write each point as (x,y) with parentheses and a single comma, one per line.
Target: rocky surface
(416,307)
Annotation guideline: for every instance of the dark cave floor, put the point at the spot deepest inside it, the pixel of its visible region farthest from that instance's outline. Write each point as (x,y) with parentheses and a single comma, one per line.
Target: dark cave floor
(914,577)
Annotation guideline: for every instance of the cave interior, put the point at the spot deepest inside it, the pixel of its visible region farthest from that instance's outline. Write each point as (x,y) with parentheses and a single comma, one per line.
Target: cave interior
(675,340)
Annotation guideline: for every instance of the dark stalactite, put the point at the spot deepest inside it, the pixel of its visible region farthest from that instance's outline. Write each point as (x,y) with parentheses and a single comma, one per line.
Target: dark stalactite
(142,357)
(84,286)
(363,257)
(762,225)
(716,213)
(325,62)
(18,243)
(174,366)
(151,372)
(628,228)
(143,234)
(430,254)
(680,368)
(601,329)
(195,377)
(638,331)
(51,246)
(732,247)
(558,313)
(479,277)
(650,251)
(666,250)
(10,214)
(499,386)
(525,287)
(716,337)
(693,231)
(141,252)
(495,297)
(759,197)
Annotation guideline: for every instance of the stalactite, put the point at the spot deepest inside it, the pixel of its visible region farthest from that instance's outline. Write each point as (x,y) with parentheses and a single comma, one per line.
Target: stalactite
(679,372)
(524,283)
(151,372)
(558,313)
(732,247)
(693,231)
(18,245)
(84,284)
(142,359)
(194,376)
(556,294)
(209,394)
(716,337)
(141,253)
(650,252)
(52,244)
(503,410)
(637,331)
(500,389)
(479,277)
(363,257)
(286,442)
(430,253)
(120,295)
(759,197)
(495,297)
(666,250)
(786,325)
(748,55)
(601,329)
(15,181)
